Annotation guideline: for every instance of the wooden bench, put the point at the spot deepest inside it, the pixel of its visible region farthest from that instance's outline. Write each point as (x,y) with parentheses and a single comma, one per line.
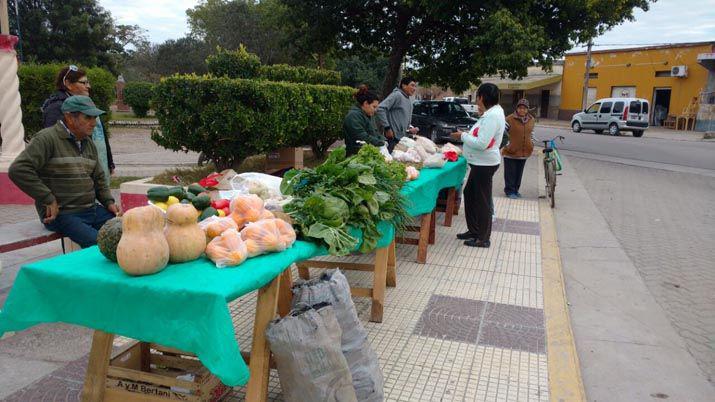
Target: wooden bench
(20,235)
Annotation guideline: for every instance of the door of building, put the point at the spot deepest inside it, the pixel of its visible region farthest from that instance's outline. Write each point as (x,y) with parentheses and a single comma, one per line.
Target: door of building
(544,105)
(661,106)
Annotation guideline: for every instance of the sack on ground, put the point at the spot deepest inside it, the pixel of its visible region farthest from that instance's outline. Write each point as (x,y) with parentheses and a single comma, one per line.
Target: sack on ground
(332,287)
(306,347)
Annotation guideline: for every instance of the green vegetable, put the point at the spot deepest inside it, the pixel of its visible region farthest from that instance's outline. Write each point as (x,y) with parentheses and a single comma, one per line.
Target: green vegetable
(201,202)
(196,189)
(177,192)
(185,201)
(356,192)
(158,194)
(189,196)
(208,212)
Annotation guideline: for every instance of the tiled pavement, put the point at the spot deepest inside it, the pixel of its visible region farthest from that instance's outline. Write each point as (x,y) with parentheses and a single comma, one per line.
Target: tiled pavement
(466,326)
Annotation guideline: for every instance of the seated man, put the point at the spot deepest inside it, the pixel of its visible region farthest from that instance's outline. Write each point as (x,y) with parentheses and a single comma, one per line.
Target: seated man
(60,170)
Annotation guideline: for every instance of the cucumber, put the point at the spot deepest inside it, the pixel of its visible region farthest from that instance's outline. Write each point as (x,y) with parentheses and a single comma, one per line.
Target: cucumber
(208,212)
(189,196)
(196,189)
(201,202)
(177,192)
(158,194)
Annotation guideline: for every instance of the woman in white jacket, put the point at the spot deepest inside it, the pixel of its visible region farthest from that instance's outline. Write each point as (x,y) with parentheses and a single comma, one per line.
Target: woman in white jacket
(481,149)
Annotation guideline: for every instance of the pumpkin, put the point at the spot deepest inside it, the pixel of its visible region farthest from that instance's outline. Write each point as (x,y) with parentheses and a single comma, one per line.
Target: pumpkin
(246,208)
(142,249)
(228,249)
(186,239)
(267,235)
(108,238)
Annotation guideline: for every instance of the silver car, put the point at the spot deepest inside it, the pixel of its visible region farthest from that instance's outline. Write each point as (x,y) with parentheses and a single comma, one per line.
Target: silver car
(614,115)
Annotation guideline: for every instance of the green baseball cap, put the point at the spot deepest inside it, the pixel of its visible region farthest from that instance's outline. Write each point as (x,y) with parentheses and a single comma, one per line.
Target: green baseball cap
(82,104)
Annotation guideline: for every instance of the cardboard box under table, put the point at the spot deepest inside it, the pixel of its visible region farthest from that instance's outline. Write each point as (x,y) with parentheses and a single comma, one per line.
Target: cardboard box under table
(183,308)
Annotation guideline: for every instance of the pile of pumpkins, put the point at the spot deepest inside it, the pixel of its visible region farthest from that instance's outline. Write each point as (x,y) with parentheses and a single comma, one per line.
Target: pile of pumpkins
(144,241)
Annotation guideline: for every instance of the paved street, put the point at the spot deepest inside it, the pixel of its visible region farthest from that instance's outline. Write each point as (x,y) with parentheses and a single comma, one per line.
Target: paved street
(663,218)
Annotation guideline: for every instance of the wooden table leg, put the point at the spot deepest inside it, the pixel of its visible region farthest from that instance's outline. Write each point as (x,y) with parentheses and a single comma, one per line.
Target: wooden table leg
(96,377)
(425,222)
(391,279)
(303,271)
(259,365)
(378,283)
(285,295)
(449,208)
(433,220)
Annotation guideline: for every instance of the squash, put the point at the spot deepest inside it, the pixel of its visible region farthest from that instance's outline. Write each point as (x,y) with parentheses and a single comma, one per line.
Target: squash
(108,238)
(143,249)
(186,239)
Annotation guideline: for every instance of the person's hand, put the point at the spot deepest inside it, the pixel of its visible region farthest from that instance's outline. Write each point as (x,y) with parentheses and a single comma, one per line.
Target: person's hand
(456,136)
(414,130)
(52,210)
(389,134)
(114,208)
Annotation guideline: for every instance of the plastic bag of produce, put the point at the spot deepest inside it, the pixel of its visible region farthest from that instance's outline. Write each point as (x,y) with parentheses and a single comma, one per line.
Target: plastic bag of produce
(409,156)
(451,147)
(306,348)
(407,141)
(412,173)
(421,151)
(246,208)
(427,144)
(386,153)
(260,184)
(267,235)
(332,287)
(434,161)
(227,249)
(213,226)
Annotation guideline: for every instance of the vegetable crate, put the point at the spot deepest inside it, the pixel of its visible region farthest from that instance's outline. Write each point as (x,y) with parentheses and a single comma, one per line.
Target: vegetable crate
(153,373)
(284,158)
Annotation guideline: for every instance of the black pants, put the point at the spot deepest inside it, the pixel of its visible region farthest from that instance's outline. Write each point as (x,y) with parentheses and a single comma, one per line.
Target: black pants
(513,171)
(478,200)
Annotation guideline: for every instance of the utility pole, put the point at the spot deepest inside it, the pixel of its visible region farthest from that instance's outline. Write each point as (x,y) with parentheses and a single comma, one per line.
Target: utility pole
(19,31)
(586,74)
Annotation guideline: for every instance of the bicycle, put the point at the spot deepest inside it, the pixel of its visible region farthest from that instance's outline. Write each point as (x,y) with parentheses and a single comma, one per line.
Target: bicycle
(552,164)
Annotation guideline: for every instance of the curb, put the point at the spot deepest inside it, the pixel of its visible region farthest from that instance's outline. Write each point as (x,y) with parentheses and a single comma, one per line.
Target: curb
(565,382)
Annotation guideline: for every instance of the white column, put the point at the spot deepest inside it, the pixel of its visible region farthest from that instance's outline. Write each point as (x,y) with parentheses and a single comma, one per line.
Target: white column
(11,128)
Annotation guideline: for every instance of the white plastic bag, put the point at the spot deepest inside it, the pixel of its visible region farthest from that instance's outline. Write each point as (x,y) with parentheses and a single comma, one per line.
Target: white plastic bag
(408,142)
(412,173)
(451,147)
(386,153)
(434,161)
(421,151)
(409,156)
(427,144)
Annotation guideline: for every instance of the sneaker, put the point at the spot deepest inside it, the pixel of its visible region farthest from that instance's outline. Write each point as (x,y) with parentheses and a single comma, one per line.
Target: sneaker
(518,194)
(512,196)
(466,236)
(477,243)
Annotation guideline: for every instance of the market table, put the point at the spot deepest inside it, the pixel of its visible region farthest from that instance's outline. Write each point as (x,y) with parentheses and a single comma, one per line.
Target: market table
(422,194)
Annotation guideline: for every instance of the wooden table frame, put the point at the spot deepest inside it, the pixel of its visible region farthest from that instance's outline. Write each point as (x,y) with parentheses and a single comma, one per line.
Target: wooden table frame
(426,228)
(384,274)
(275,297)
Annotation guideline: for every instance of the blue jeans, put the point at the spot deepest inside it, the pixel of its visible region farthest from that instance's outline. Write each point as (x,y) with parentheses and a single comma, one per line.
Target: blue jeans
(81,227)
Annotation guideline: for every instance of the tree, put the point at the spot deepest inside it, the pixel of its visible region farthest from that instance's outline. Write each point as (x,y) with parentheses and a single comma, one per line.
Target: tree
(367,69)
(149,63)
(62,30)
(453,43)
(256,25)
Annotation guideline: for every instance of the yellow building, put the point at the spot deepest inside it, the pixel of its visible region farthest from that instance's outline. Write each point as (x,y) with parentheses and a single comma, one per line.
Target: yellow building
(669,76)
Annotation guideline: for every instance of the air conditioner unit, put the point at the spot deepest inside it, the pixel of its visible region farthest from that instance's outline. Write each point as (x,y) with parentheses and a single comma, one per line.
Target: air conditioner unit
(679,71)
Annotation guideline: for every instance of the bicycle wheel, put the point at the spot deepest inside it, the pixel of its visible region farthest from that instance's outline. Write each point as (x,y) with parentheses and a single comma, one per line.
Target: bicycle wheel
(548,170)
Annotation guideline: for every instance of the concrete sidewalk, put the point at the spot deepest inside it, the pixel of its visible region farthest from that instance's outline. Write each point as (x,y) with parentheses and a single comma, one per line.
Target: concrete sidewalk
(652,132)
(469,325)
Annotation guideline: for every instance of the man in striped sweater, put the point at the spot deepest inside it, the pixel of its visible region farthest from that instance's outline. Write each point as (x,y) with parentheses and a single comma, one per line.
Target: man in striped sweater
(60,170)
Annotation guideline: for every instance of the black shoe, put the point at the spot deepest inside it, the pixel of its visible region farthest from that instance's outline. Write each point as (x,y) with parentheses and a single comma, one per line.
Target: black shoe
(466,235)
(478,243)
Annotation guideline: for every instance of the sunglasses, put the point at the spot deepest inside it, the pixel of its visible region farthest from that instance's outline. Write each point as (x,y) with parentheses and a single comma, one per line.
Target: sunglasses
(74,68)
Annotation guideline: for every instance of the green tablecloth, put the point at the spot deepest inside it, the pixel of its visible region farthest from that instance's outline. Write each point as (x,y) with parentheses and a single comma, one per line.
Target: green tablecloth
(185,306)
(422,193)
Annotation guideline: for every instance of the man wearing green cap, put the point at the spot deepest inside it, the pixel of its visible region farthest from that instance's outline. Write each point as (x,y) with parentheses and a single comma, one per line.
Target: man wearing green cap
(61,171)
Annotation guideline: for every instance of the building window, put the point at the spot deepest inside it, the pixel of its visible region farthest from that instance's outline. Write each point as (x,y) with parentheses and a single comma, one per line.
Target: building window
(592,75)
(664,73)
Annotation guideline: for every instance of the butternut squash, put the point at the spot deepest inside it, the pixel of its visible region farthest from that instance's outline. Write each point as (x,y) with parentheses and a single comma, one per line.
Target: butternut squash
(186,239)
(143,249)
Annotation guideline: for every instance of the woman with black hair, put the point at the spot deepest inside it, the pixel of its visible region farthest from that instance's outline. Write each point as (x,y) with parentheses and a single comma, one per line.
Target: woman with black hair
(481,149)
(359,123)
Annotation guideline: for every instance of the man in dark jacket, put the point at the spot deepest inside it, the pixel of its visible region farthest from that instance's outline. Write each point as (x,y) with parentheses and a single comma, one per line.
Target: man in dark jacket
(60,170)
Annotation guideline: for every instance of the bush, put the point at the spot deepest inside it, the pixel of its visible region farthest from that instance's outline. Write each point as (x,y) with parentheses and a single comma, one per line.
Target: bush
(37,83)
(138,95)
(231,119)
(242,64)
(234,64)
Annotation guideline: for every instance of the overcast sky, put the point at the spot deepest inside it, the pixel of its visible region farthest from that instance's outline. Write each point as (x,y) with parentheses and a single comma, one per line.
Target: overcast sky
(667,21)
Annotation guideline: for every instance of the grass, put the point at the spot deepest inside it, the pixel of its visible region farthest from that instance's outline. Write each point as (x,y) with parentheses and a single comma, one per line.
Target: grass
(130,116)
(256,163)
(115,181)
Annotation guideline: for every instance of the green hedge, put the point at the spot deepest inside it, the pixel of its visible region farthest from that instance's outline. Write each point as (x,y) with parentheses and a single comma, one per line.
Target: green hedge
(37,83)
(231,119)
(138,95)
(242,64)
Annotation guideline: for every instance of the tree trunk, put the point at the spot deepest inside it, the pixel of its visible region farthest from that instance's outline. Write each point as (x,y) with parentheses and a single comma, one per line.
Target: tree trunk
(392,75)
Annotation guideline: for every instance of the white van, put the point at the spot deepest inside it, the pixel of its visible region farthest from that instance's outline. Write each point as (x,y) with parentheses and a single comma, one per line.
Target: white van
(614,115)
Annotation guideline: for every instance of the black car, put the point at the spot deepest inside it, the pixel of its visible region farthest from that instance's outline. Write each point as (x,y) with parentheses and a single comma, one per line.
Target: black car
(438,119)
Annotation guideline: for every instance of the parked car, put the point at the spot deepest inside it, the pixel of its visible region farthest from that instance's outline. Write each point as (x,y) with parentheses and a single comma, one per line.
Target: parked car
(614,115)
(469,107)
(438,119)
